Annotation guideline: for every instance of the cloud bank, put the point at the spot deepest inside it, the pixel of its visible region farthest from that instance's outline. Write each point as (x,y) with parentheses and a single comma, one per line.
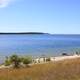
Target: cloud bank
(4,3)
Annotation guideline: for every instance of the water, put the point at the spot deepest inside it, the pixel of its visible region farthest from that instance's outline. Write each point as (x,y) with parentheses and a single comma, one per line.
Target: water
(38,44)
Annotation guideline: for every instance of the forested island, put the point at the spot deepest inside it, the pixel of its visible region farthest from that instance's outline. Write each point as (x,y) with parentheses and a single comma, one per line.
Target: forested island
(23,33)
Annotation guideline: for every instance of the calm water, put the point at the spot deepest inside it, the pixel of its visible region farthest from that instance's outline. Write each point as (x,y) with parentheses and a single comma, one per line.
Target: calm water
(44,44)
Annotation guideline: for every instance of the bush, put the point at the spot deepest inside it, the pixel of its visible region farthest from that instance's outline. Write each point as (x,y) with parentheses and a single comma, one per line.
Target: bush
(26,60)
(15,60)
(7,62)
(48,59)
(64,54)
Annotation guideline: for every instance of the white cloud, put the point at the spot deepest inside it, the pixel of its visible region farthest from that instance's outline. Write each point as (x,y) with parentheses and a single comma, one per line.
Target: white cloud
(4,3)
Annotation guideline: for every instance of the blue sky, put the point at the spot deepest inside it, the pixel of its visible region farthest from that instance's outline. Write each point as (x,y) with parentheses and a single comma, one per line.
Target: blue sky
(50,16)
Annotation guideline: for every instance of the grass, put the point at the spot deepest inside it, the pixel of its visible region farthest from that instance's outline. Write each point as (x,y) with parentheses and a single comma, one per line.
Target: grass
(62,70)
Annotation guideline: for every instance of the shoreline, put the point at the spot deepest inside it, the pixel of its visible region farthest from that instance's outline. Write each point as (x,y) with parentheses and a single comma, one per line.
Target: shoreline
(52,59)
(66,57)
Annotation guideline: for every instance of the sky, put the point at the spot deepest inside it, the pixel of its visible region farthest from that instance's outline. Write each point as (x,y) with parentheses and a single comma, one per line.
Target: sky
(48,16)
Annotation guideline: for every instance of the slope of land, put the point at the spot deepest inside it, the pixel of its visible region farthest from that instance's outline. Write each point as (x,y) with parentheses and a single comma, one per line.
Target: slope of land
(61,70)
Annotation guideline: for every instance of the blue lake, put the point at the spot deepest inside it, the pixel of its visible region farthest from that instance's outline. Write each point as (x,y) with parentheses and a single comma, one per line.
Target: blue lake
(38,44)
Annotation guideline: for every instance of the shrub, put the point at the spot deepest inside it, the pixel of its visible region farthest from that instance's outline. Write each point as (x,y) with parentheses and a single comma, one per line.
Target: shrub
(15,61)
(48,59)
(26,60)
(7,62)
(64,54)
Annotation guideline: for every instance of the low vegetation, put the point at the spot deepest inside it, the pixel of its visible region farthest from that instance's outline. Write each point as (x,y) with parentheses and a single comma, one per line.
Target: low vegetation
(61,70)
(16,61)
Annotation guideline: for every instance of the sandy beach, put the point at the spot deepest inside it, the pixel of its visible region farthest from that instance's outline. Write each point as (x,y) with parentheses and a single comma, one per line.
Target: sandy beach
(66,57)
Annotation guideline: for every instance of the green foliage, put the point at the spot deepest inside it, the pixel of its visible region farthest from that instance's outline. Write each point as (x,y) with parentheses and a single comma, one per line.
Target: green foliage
(7,61)
(26,60)
(15,60)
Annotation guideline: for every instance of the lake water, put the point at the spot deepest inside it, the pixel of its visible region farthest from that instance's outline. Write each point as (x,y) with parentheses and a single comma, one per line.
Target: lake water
(38,44)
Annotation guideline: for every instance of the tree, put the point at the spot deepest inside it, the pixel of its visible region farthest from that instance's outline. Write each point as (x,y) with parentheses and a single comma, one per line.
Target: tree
(26,60)
(15,61)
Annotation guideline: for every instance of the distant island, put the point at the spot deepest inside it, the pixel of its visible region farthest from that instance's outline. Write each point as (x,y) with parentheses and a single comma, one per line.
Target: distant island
(22,33)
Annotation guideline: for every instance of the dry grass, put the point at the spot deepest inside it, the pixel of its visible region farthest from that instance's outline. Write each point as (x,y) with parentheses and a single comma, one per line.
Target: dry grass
(62,70)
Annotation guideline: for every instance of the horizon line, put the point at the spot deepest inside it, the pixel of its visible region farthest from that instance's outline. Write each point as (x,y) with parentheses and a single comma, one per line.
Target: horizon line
(38,33)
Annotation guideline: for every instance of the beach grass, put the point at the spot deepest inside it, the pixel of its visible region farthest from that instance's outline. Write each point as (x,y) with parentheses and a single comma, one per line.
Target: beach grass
(60,70)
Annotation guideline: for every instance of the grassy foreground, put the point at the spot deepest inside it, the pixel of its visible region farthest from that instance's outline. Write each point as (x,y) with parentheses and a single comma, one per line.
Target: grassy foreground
(62,70)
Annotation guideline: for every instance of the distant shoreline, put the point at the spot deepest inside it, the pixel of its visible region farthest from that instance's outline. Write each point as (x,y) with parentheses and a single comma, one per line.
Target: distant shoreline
(23,33)
(41,33)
